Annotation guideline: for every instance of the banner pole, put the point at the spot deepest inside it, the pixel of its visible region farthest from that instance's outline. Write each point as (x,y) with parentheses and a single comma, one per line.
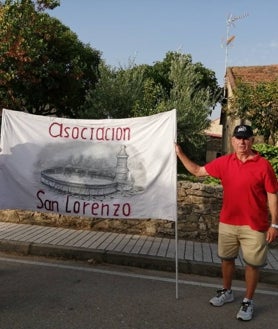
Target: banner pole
(176,241)
(177,260)
(176,222)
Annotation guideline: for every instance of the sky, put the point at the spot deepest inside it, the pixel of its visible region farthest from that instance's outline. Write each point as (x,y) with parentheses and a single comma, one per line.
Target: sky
(143,31)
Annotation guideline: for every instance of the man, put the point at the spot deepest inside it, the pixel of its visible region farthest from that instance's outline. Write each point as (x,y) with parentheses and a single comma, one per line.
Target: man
(250,194)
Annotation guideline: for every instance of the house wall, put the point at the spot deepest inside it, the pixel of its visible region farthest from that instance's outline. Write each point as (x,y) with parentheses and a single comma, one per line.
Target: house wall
(248,74)
(214,140)
(214,148)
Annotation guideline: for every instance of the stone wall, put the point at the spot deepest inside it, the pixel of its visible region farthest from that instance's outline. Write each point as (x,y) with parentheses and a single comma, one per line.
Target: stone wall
(199,206)
(198,211)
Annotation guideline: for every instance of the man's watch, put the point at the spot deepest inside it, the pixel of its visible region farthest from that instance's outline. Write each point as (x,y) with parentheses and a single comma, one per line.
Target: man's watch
(274,225)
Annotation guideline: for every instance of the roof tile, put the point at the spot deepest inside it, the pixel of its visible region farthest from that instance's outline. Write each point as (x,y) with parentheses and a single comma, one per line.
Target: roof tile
(252,74)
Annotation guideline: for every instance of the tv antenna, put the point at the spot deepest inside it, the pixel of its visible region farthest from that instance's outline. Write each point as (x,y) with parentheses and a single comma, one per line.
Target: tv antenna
(230,22)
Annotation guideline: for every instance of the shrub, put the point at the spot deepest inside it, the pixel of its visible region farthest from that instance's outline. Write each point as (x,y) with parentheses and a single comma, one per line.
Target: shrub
(269,152)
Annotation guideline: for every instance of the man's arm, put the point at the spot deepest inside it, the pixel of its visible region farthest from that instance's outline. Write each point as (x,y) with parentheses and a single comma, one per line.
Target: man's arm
(272,232)
(191,166)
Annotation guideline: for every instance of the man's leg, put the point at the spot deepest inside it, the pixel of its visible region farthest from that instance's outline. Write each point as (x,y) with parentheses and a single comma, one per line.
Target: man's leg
(251,280)
(254,250)
(228,270)
(227,250)
(225,295)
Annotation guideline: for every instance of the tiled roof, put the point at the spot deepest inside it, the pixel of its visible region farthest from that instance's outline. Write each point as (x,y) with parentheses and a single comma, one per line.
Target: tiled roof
(252,74)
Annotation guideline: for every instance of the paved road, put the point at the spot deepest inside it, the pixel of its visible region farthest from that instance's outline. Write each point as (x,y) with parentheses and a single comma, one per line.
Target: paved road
(40,293)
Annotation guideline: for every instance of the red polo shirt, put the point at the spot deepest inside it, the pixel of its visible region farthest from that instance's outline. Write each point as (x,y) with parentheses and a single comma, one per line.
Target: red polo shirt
(245,187)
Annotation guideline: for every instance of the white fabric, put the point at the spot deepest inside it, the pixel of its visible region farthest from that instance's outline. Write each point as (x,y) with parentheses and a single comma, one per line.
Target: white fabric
(113,168)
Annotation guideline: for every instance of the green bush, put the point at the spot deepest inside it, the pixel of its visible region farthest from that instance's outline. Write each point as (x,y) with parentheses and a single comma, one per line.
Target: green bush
(205,180)
(269,152)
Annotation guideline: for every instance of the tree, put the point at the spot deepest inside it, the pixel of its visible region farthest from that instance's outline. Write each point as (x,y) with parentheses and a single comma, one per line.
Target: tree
(194,94)
(143,90)
(205,78)
(114,94)
(44,68)
(259,105)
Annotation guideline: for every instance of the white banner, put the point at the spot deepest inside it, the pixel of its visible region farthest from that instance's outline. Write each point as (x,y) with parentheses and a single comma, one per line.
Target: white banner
(112,168)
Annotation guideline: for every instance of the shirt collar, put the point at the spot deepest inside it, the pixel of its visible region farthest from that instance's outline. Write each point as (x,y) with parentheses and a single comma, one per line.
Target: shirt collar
(255,158)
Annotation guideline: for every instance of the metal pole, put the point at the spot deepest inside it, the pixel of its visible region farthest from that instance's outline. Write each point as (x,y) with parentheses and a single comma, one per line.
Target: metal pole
(177,259)
(230,21)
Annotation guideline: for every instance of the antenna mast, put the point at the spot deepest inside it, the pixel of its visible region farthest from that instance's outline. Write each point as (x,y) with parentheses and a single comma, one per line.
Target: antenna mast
(229,39)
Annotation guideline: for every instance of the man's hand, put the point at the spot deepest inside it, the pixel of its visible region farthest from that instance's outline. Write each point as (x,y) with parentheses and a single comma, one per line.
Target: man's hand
(272,234)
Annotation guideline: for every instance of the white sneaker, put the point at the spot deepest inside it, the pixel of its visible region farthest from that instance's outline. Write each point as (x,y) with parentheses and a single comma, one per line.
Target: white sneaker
(246,310)
(223,296)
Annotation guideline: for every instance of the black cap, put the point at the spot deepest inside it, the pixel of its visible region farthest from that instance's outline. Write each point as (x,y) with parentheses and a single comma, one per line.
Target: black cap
(243,131)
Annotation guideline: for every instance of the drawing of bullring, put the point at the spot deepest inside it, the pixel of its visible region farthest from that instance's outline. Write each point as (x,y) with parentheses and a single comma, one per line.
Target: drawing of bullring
(105,173)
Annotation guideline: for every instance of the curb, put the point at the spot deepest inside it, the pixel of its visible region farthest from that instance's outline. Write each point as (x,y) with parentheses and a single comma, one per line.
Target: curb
(117,258)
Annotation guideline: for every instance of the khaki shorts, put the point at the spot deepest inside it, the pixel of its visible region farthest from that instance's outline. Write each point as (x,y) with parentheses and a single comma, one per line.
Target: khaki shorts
(252,243)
